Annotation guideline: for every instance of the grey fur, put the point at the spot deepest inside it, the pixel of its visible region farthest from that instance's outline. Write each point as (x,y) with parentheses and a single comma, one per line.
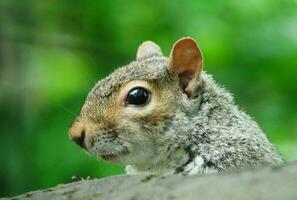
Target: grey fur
(224,136)
(202,135)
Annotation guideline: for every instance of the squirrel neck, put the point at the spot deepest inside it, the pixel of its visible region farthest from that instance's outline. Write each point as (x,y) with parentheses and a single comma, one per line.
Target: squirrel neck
(166,166)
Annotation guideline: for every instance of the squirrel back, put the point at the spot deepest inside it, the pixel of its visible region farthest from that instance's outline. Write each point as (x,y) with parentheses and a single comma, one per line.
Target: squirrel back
(167,116)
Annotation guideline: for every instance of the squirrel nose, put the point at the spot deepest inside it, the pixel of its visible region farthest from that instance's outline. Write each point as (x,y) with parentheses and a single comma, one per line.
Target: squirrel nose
(77,134)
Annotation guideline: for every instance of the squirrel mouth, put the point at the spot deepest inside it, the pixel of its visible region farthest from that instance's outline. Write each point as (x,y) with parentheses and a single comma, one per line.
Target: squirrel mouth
(113,155)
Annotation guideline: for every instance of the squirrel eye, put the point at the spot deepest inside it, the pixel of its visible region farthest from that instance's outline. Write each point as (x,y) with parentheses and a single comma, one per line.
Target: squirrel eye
(138,96)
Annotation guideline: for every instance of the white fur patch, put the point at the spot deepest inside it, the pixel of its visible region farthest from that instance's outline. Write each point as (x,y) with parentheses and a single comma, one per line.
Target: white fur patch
(131,170)
(195,166)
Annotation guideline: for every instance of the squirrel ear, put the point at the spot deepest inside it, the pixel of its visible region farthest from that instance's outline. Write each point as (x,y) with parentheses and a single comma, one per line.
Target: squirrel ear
(148,49)
(185,61)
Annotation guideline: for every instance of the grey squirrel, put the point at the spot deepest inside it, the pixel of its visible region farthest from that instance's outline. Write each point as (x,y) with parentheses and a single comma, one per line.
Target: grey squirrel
(167,116)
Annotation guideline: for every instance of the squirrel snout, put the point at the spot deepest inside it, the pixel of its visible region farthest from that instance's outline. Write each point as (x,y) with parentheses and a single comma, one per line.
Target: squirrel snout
(77,133)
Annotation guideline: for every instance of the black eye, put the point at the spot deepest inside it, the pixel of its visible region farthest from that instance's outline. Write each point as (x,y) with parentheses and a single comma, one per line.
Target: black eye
(138,96)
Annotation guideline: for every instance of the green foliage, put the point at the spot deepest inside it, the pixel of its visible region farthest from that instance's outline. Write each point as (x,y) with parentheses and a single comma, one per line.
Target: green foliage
(53,52)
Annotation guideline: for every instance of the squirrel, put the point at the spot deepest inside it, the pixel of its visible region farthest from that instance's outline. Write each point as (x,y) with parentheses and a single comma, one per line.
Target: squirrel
(167,116)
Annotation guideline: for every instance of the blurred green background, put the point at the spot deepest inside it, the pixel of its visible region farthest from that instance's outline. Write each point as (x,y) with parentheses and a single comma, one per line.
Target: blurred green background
(53,51)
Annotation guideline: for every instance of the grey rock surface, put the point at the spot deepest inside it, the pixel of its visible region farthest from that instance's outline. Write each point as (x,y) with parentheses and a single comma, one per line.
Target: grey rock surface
(279,183)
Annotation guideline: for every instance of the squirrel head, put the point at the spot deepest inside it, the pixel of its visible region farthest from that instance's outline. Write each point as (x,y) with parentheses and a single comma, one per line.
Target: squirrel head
(137,114)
